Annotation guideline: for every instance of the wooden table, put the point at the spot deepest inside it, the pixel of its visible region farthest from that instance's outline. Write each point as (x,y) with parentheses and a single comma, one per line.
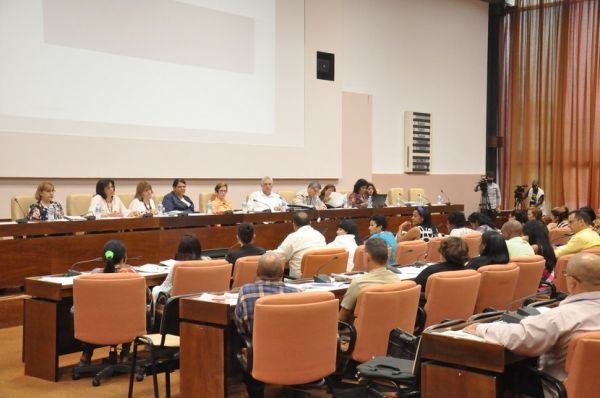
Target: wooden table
(45,248)
(47,325)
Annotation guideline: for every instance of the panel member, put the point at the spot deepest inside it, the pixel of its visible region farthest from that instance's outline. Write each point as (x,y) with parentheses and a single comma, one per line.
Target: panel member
(265,199)
(143,202)
(44,195)
(176,199)
(110,204)
(310,196)
(220,204)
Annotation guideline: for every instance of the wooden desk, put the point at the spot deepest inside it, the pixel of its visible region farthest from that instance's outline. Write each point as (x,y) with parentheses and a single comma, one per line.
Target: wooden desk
(47,325)
(461,368)
(45,248)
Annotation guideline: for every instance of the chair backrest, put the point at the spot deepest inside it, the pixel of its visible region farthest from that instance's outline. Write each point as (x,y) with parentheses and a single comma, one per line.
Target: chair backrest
(288,196)
(25,202)
(379,309)
(169,321)
(531,269)
(158,199)
(433,250)
(410,251)
(245,270)
(200,276)
(126,197)
(413,194)
(560,281)
(582,365)
(560,236)
(360,263)
(78,203)
(203,200)
(497,287)
(393,194)
(451,295)
(304,327)
(324,261)
(109,309)
(473,242)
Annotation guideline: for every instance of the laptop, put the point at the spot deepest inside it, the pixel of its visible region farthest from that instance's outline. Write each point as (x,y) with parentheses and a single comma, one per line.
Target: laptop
(379,200)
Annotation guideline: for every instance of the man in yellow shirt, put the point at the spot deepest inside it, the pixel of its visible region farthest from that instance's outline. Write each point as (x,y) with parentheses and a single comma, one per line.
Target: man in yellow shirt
(585,237)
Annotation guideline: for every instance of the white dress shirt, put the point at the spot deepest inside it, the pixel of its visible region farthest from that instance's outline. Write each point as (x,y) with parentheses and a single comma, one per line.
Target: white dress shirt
(348,242)
(296,244)
(116,205)
(138,205)
(258,201)
(459,232)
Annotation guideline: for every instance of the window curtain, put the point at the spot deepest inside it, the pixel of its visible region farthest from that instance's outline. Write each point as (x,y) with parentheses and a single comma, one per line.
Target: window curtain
(550,100)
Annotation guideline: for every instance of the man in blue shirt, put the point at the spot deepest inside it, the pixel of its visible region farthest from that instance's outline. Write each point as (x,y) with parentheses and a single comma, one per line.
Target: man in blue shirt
(377,229)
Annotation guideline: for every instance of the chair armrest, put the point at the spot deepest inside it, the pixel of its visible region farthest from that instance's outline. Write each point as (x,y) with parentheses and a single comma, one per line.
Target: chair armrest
(351,330)
(245,360)
(484,316)
(555,383)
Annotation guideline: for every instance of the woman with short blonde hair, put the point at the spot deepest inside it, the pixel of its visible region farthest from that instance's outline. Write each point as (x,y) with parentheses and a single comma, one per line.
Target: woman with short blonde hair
(143,202)
(44,195)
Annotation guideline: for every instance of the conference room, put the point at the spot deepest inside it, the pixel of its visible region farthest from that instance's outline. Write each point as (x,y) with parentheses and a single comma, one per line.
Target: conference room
(141,137)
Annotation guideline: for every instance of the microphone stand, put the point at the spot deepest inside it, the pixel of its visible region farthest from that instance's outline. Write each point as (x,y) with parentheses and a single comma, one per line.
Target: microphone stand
(321,278)
(24,219)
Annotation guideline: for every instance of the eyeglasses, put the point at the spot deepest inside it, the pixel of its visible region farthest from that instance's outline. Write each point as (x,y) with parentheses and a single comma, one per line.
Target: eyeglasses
(222,190)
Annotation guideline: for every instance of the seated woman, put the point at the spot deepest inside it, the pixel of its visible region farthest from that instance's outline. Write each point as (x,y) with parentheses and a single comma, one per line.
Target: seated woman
(114,254)
(189,250)
(534,213)
(143,202)
(220,204)
(493,250)
(110,205)
(44,195)
(371,190)
(539,238)
(457,224)
(482,223)
(519,215)
(176,199)
(358,197)
(455,251)
(245,237)
(420,227)
(348,238)
(560,217)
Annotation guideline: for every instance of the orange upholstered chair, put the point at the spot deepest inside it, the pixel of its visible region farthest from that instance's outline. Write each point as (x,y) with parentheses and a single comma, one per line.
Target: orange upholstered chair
(433,250)
(245,270)
(379,309)
(359,259)
(410,251)
(497,287)
(560,236)
(473,241)
(324,261)
(560,281)
(109,309)
(294,338)
(531,269)
(451,295)
(200,276)
(582,365)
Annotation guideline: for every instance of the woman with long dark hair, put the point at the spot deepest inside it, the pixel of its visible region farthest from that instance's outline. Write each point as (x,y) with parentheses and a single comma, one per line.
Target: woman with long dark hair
(539,239)
(420,227)
(493,250)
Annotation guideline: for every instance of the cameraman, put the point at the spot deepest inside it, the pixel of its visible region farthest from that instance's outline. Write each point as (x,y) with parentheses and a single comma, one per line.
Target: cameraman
(535,196)
(490,195)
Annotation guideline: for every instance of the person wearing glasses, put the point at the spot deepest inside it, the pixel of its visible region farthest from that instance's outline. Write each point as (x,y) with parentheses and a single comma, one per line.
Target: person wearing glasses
(220,204)
(420,227)
(44,195)
(585,237)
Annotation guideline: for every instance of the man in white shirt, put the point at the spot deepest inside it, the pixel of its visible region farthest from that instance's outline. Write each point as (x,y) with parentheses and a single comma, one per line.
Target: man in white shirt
(517,246)
(265,199)
(310,196)
(303,239)
(535,196)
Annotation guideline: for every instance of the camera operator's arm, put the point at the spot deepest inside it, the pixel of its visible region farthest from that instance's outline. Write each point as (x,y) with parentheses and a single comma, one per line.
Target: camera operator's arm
(476,189)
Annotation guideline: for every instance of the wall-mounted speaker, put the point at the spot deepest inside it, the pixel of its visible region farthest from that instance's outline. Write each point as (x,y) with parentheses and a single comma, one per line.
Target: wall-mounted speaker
(325,66)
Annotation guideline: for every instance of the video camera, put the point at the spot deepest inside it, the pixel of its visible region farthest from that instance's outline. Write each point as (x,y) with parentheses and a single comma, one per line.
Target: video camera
(483,185)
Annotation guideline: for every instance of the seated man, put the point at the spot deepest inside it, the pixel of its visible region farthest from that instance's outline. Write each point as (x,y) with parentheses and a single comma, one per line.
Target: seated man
(270,273)
(585,237)
(512,232)
(548,335)
(303,239)
(376,251)
(377,229)
(310,196)
(265,199)
(245,238)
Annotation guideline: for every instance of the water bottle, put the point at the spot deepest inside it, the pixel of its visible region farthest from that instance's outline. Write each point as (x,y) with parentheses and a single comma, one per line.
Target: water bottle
(420,200)
(244,206)
(440,198)
(283,205)
(209,209)
(398,201)
(98,211)
(51,212)
(370,202)
(161,209)
(345,204)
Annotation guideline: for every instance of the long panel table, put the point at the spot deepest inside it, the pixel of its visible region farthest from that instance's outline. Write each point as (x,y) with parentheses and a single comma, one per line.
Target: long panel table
(45,248)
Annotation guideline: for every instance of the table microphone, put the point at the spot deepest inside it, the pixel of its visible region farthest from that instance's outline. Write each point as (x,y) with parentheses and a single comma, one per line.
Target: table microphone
(448,203)
(24,219)
(72,272)
(523,312)
(322,278)
(268,210)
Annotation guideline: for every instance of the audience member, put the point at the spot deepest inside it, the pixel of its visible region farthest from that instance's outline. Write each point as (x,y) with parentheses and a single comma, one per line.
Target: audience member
(176,199)
(539,238)
(534,213)
(519,215)
(110,204)
(310,196)
(303,239)
(377,229)
(376,250)
(492,250)
(585,237)
(143,202)
(245,238)
(265,199)
(455,252)
(482,223)
(44,195)
(457,224)
(347,237)
(517,246)
(358,197)
(560,217)
(548,335)
(420,227)
(220,204)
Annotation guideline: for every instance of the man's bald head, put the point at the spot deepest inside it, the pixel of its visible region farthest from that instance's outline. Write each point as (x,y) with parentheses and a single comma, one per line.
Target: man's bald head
(511,229)
(585,268)
(270,267)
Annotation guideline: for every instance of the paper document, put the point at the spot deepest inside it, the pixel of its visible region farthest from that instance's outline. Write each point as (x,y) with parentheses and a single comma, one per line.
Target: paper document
(312,286)
(459,334)
(168,263)
(152,268)
(75,218)
(226,298)
(63,280)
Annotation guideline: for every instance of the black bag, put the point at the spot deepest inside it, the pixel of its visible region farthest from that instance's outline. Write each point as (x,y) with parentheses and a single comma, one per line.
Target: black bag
(402,345)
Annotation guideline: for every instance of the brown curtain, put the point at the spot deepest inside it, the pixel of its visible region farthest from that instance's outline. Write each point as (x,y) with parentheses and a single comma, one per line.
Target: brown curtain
(550,100)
